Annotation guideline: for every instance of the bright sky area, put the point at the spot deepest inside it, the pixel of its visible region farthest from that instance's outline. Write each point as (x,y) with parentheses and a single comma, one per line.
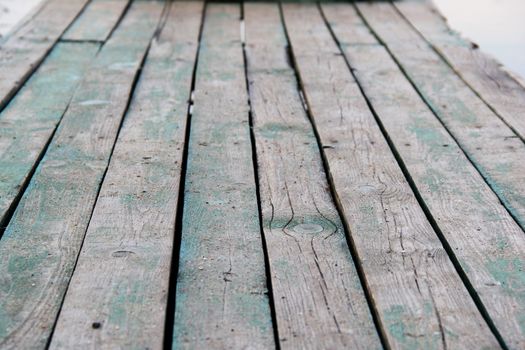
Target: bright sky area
(497,26)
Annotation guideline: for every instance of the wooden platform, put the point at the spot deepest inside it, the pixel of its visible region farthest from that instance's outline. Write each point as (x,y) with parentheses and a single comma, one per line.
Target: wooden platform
(257,175)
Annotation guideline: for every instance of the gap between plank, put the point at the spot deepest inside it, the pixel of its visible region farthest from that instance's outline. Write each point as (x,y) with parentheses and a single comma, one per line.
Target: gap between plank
(257,188)
(501,200)
(448,63)
(122,15)
(81,41)
(14,204)
(426,210)
(115,26)
(130,97)
(174,270)
(9,97)
(346,228)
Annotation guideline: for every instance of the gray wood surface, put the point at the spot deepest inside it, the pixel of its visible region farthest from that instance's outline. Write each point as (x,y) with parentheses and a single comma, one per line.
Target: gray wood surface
(420,299)
(483,73)
(97,20)
(488,243)
(319,300)
(492,146)
(123,271)
(22,51)
(40,246)
(221,298)
(353,178)
(36,110)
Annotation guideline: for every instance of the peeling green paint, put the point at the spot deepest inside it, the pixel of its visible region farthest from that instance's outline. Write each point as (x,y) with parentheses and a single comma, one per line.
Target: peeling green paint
(55,210)
(37,109)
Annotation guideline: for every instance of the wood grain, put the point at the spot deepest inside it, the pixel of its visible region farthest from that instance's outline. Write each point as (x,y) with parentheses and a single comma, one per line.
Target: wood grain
(97,21)
(486,241)
(481,72)
(221,298)
(319,300)
(493,147)
(22,51)
(122,275)
(419,298)
(40,246)
(36,110)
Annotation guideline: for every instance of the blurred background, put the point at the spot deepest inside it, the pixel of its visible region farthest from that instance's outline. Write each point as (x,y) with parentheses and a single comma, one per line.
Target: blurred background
(497,26)
(14,11)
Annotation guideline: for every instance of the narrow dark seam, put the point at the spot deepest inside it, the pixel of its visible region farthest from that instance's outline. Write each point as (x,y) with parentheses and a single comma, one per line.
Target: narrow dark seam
(458,73)
(6,219)
(174,270)
(5,100)
(346,229)
(269,286)
(136,79)
(121,17)
(450,252)
(110,34)
(503,201)
(77,41)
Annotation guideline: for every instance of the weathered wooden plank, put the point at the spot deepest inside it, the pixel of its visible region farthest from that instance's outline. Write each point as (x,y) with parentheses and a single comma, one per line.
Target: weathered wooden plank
(493,147)
(482,72)
(319,300)
(123,271)
(40,246)
(97,21)
(221,298)
(29,120)
(21,53)
(486,241)
(419,298)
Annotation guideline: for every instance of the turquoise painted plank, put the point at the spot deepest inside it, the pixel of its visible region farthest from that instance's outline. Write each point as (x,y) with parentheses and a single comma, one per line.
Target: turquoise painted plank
(318,296)
(22,51)
(492,146)
(484,74)
(40,246)
(29,120)
(486,241)
(97,21)
(221,297)
(418,297)
(131,231)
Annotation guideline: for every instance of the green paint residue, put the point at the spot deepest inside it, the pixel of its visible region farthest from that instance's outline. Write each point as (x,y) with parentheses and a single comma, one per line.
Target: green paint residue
(407,333)
(252,305)
(272,130)
(128,295)
(510,274)
(427,135)
(431,180)
(18,285)
(503,167)
(396,326)
(502,243)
